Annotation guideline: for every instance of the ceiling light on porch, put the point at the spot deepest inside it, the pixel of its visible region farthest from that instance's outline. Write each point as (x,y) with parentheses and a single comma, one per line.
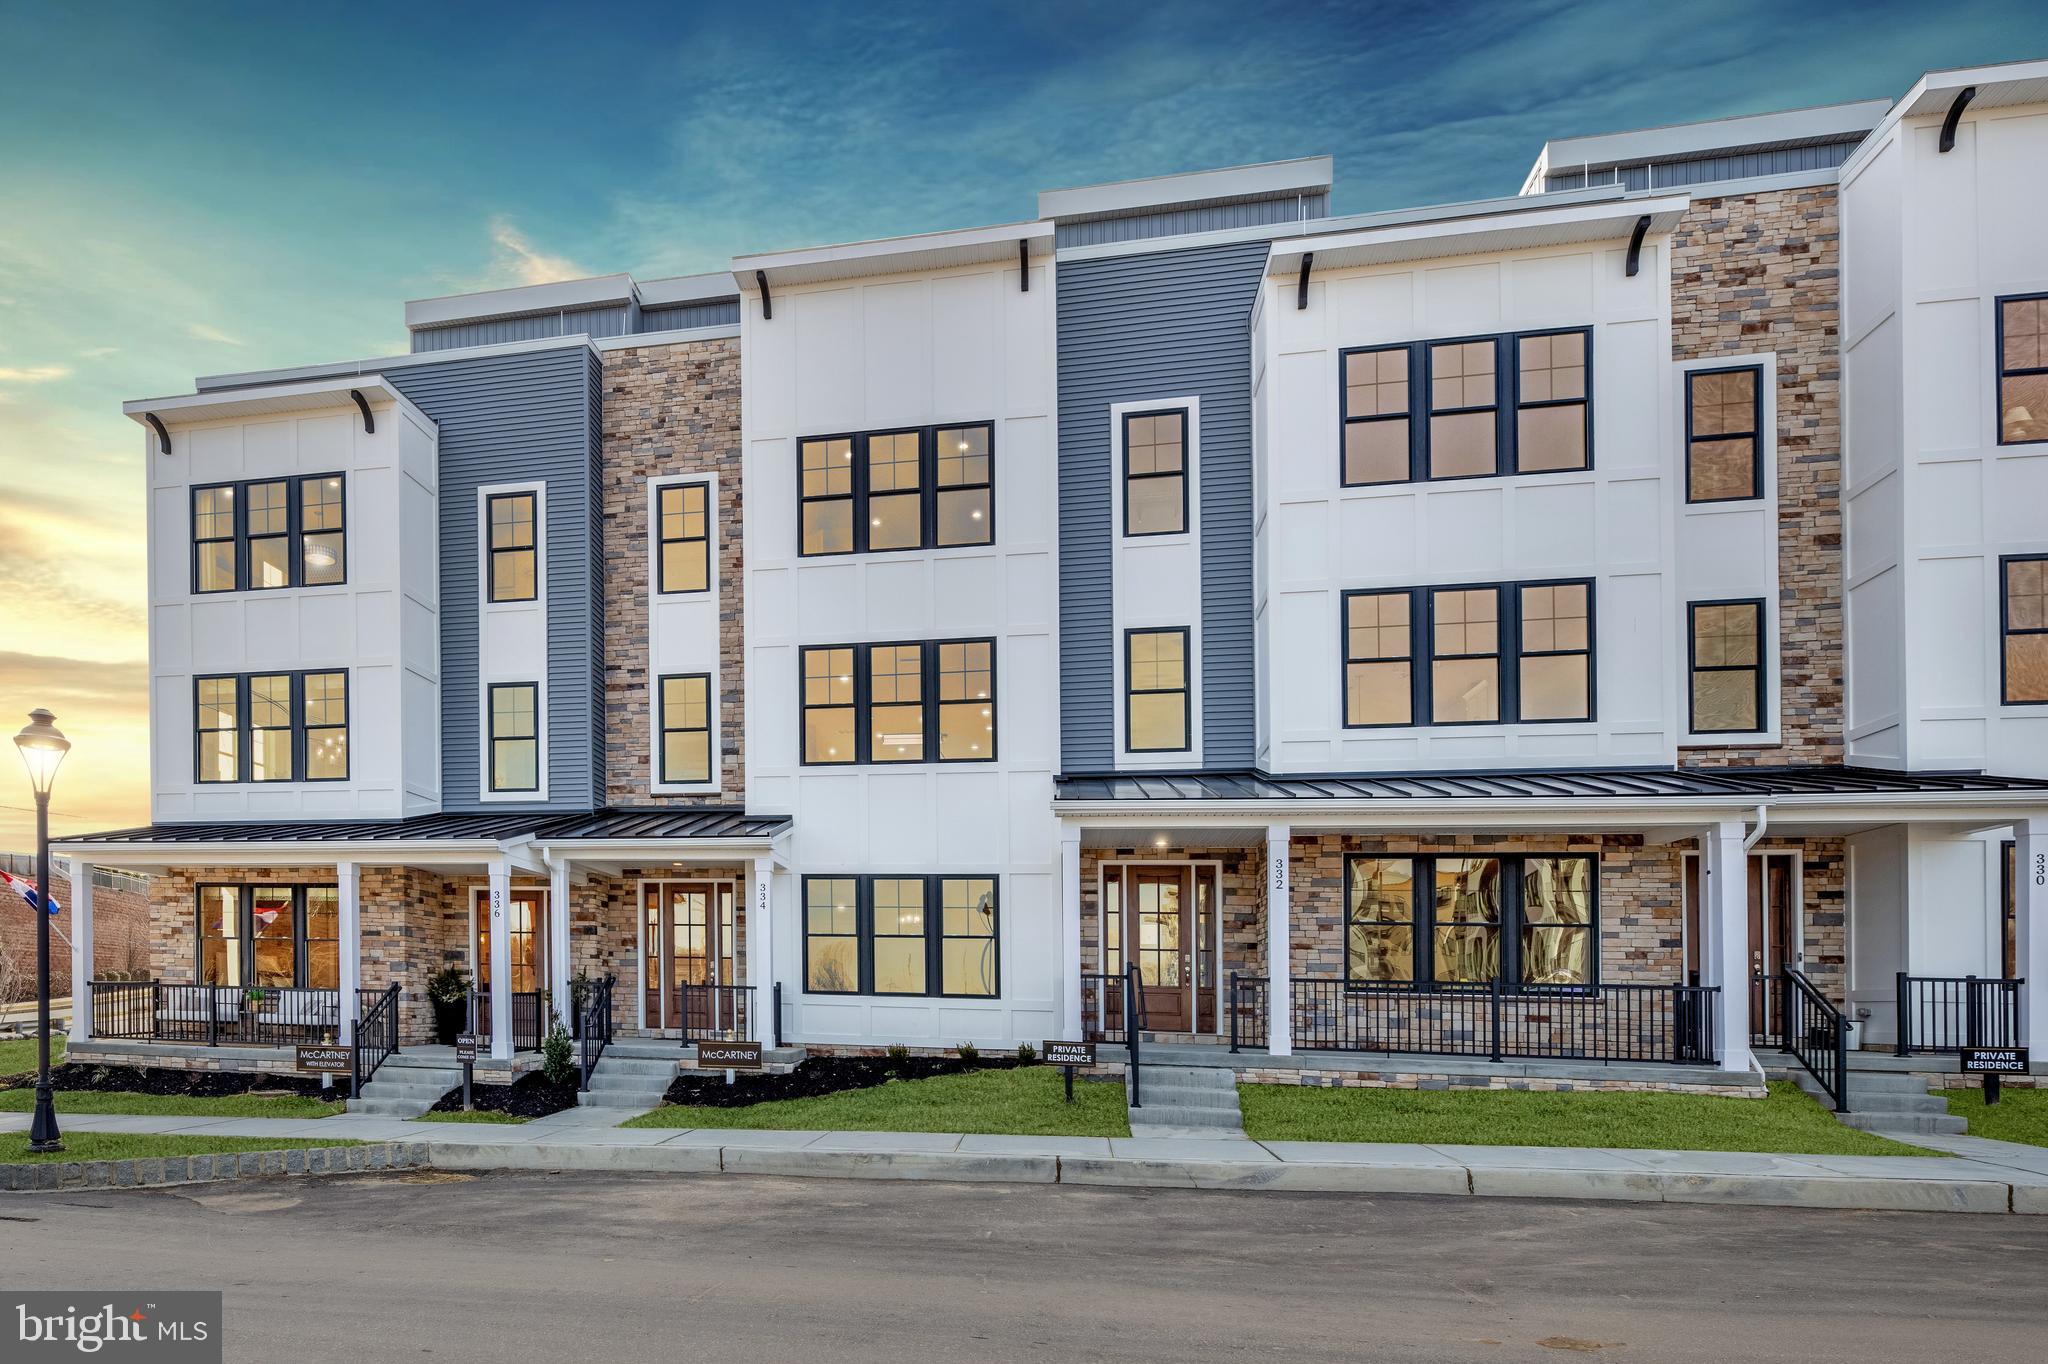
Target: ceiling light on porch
(1160,841)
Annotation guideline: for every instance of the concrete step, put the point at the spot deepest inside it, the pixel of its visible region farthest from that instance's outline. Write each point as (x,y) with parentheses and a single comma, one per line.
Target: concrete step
(1211,1077)
(1228,1120)
(1882,1082)
(626,1101)
(635,1065)
(1908,1124)
(387,1108)
(1895,1103)
(636,1084)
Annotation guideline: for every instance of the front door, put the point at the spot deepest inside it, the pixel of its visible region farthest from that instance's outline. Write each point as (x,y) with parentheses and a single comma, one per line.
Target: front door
(688,939)
(526,921)
(1770,942)
(1162,943)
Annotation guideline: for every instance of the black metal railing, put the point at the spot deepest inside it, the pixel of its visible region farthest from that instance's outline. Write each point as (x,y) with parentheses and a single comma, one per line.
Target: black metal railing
(722,1013)
(529,1017)
(1948,1013)
(776,1016)
(1102,1007)
(1669,1024)
(213,1015)
(594,1027)
(376,1032)
(1134,1029)
(1815,1034)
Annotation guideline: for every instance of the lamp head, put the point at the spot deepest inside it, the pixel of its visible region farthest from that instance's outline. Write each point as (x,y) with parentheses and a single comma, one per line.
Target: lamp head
(43,747)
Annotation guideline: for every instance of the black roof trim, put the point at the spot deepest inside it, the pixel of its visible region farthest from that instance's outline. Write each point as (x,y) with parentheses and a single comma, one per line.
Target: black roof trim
(1651,783)
(697,822)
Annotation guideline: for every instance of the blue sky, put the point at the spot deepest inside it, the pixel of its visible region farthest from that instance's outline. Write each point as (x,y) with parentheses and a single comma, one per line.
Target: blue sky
(190,189)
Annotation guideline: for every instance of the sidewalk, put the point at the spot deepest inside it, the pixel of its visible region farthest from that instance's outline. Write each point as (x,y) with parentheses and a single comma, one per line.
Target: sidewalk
(1978,1176)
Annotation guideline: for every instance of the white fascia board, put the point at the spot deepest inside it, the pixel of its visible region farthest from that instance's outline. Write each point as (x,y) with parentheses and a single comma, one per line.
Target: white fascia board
(1749,132)
(1229,185)
(271,399)
(667,293)
(208,383)
(893,255)
(656,851)
(370,852)
(525,300)
(1989,808)
(1997,87)
(1530,223)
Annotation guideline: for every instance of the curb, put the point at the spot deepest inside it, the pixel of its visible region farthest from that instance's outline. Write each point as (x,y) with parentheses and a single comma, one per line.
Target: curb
(161,1171)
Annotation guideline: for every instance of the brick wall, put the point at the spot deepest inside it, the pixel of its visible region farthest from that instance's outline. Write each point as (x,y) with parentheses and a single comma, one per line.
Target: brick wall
(120,938)
(667,410)
(1760,272)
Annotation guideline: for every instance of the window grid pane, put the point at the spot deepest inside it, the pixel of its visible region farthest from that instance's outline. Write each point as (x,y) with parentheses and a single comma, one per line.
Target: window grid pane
(1155,473)
(1156,681)
(686,728)
(514,554)
(1555,679)
(967,713)
(1727,667)
(1377,395)
(1380,920)
(2026,630)
(831,935)
(1722,437)
(828,706)
(2023,370)
(1550,417)
(324,698)
(515,736)
(967,941)
(683,536)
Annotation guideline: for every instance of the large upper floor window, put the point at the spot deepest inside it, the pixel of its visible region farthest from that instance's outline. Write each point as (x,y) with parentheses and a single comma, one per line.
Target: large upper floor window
(269,937)
(1473,633)
(514,553)
(686,728)
(930,487)
(269,533)
(2023,369)
(898,703)
(683,538)
(1527,921)
(901,935)
(1156,691)
(1724,419)
(514,736)
(1520,402)
(270,727)
(2023,612)
(1156,472)
(1725,688)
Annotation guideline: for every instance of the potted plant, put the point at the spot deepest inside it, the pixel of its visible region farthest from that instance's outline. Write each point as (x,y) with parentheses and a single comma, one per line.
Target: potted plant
(448,992)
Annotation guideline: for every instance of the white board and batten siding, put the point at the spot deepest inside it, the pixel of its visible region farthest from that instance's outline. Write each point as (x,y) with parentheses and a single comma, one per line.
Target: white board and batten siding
(889,351)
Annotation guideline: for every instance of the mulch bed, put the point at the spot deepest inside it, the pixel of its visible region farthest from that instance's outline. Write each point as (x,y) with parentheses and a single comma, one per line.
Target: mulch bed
(198,1084)
(819,1075)
(532,1095)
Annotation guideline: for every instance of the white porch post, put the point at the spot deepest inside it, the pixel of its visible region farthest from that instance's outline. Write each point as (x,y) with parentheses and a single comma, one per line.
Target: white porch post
(2030,930)
(1279,944)
(761,947)
(558,942)
(500,899)
(1070,931)
(348,893)
(81,949)
(1724,928)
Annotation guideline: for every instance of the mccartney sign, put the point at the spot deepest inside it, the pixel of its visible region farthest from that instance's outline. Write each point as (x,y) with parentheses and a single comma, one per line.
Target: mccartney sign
(729,1055)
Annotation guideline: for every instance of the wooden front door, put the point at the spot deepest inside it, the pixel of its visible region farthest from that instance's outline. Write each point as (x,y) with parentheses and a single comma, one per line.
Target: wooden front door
(1161,942)
(687,936)
(526,921)
(1770,942)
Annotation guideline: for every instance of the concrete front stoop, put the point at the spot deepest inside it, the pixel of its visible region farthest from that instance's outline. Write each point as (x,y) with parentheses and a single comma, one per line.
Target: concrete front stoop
(1197,1101)
(630,1077)
(1890,1103)
(407,1085)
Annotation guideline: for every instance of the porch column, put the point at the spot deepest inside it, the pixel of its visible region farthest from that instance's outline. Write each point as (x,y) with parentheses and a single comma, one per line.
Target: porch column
(1279,944)
(1070,931)
(761,947)
(1724,930)
(500,876)
(348,896)
(2030,930)
(81,948)
(559,989)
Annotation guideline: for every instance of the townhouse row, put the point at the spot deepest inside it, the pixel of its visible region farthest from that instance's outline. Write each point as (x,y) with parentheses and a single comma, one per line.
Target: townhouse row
(1585,624)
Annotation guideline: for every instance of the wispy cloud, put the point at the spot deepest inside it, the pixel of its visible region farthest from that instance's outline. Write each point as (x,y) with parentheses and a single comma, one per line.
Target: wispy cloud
(98,352)
(33,374)
(199,331)
(519,261)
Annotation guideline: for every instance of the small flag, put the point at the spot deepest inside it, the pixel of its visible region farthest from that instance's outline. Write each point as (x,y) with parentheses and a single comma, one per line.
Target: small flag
(27,891)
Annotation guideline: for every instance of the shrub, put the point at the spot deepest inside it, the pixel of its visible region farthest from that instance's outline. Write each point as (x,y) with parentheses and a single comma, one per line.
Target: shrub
(899,1057)
(1026,1053)
(558,1056)
(449,985)
(968,1052)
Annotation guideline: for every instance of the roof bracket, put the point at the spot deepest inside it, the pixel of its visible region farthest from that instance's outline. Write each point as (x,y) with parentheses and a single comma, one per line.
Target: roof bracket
(767,303)
(1955,116)
(163,437)
(1308,260)
(1023,265)
(369,422)
(1635,246)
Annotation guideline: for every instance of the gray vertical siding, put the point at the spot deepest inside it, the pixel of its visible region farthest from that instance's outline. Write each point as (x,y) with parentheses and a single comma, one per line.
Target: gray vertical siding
(1705,170)
(724,312)
(1177,222)
(621,319)
(511,419)
(1153,326)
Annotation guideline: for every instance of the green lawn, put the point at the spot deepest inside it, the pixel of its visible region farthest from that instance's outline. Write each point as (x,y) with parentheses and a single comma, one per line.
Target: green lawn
(1027,1101)
(1786,1122)
(23,1100)
(19,1054)
(480,1115)
(2019,1114)
(146,1145)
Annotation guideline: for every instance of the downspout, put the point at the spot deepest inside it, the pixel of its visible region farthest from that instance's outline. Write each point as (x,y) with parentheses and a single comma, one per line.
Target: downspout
(1763,822)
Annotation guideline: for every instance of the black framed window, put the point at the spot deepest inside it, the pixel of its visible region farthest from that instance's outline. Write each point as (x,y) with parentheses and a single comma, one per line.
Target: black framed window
(682,538)
(271,727)
(1554,645)
(1379,660)
(871,492)
(1156,472)
(1528,920)
(932,936)
(1465,655)
(2023,369)
(1553,402)
(906,702)
(270,533)
(514,546)
(829,705)
(966,723)
(1464,408)
(1725,642)
(277,937)
(1724,420)
(896,696)
(1379,426)
(686,728)
(1156,691)
(515,736)
(2023,627)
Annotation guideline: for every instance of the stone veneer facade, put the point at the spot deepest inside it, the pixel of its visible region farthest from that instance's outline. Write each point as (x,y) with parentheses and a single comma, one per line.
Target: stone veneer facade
(668,409)
(1761,272)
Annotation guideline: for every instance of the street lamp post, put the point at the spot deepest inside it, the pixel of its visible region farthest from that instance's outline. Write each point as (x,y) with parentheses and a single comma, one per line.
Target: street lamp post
(43,747)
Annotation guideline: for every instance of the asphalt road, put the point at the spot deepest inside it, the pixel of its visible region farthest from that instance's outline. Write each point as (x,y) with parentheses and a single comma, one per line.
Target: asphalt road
(618,1269)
